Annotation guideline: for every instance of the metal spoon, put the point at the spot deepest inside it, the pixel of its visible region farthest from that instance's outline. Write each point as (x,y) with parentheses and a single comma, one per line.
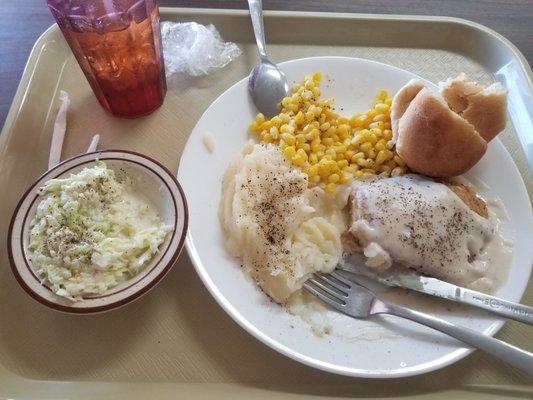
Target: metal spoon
(267,84)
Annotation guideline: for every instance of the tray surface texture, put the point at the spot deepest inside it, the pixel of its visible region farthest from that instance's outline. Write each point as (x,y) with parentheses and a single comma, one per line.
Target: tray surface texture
(177,336)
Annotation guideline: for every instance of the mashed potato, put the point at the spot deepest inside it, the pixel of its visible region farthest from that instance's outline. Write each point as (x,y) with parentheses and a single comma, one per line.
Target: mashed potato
(281,230)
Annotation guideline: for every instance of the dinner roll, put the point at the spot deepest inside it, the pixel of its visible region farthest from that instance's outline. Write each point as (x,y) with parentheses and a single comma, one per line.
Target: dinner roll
(401,101)
(435,141)
(445,136)
(484,108)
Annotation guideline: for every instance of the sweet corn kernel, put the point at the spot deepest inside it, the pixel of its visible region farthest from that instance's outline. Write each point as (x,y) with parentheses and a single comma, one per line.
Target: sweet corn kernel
(382,107)
(381,157)
(377,132)
(302,154)
(345,178)
(362,162)
(298,160)
(331,187)
(384,169)
(380,118)
(357,139)
(265,125)
(397,171)
(334,178)
(357,156)
(289,151)
(274,132)
(330,148)
(286,128)
(317,76)
(288,138)
(267,138)
(391,164)
(342,163)
(398,160)
(299,118)
(305,146)
(312,170)
(284,118)
(300,138)
(364,147)
(371,138)
(254,126)
(327,141)
(370,163)
(382,95)
(380,145)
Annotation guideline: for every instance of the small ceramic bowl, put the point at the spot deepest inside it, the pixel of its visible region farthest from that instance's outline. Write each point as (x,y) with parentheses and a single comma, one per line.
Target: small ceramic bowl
(153,181)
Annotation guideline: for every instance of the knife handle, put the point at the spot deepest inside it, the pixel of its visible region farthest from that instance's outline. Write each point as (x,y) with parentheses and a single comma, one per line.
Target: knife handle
(495,305)
(511,354)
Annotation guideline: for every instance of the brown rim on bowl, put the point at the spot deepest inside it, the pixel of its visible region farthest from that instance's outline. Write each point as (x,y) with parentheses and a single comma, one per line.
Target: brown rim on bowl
(25,218)
(150,285)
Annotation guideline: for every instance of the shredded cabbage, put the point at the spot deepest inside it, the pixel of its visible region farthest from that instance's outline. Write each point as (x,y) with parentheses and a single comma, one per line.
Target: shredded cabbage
(91,232)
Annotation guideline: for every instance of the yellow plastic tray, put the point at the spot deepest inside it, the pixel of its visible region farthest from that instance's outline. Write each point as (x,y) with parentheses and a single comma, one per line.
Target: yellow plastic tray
(176,342)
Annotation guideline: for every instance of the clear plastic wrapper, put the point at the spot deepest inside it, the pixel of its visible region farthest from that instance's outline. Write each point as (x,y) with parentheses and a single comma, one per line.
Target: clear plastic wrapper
(194,49)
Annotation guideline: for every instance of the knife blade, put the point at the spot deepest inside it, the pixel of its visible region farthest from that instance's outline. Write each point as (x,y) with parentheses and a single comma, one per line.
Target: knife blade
(438,288)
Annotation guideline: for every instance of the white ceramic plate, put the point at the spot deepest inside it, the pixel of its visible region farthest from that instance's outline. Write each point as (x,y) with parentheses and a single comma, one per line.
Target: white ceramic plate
(380,347)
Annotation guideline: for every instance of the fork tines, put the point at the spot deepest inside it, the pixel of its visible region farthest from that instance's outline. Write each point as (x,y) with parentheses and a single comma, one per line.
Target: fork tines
(330,288)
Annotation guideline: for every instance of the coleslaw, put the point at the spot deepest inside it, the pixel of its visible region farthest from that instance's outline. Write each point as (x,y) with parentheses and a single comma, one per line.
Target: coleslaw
(91,231)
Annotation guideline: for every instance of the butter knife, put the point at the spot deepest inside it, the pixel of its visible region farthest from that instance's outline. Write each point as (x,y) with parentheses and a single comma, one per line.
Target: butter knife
(448,291)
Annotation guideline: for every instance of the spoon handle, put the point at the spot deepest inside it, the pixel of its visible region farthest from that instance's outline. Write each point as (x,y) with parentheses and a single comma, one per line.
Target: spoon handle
(256,12)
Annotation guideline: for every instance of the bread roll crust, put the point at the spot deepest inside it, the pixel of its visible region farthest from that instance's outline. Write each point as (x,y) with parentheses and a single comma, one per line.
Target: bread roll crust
(401,101)
(435,141)
(484,108)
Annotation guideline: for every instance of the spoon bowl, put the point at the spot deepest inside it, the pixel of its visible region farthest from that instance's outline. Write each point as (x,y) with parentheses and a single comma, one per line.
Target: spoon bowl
(267,84)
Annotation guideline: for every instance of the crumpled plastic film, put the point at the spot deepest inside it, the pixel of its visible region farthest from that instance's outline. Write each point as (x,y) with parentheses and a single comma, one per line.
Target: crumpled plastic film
(194,49)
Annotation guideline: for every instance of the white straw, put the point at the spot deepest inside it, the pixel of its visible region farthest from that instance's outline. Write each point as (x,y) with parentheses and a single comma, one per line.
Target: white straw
(60,126)
(94,144)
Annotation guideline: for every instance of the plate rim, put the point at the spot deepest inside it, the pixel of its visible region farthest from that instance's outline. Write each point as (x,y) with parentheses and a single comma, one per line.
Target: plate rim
(441,362)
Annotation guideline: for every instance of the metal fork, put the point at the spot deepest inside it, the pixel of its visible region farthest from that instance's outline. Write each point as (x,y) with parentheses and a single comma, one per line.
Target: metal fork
(350,298)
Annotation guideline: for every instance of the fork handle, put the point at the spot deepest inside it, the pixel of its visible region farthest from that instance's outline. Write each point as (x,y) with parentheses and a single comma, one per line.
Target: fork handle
(506,352)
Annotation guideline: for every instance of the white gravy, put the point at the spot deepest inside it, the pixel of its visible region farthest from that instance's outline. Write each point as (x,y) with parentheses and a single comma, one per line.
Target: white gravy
(423,225)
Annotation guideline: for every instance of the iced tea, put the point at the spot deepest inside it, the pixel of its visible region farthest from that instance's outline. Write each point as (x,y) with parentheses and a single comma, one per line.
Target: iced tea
(118,46)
